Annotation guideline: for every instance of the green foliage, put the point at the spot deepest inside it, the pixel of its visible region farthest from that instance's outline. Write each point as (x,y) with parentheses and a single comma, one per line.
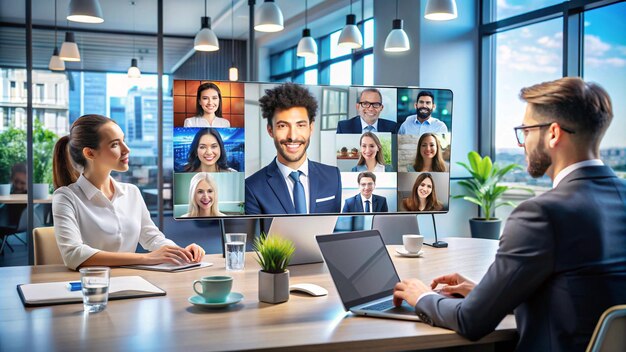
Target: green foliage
(273,253)
(483,189)
(12,151)
(386,143)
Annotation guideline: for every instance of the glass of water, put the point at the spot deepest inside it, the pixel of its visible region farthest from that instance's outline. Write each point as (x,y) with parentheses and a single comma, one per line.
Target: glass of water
(235,251)
(95,285)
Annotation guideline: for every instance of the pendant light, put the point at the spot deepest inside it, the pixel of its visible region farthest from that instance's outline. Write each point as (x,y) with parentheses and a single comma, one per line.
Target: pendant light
(440,10)
(397,40)
(206,40)
(233,72)
(307,47)
(133,70)
(269,17)
(69,49)
(350,36)
(56,64)
(85,11)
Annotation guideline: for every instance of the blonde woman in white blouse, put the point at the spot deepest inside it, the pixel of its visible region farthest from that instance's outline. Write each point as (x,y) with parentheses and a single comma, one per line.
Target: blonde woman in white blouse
(98,221)
(208,108)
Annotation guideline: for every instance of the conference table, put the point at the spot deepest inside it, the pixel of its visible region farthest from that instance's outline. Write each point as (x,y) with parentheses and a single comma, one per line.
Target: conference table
(23,199)
(170,322)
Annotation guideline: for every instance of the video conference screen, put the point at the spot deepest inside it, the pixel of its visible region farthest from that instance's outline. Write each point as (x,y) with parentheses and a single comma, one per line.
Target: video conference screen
(279,149)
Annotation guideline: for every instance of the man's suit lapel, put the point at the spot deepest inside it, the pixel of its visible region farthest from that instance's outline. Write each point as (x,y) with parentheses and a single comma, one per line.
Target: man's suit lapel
(375,203)
(314,186)
(358,203)
(278,185)
(356,124)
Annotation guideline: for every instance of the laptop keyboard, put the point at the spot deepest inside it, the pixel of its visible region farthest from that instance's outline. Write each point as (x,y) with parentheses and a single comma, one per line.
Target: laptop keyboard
(381,306)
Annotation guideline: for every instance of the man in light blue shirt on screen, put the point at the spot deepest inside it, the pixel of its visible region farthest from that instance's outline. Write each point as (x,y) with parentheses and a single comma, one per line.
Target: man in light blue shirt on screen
(423,122)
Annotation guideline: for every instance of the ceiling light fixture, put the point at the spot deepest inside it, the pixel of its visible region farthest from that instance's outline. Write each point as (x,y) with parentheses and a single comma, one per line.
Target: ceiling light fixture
(233,72)
(56,64)
(133,70)
(206,40)
(85,11)
(397,40)
(69,48)
(440,10)
(350,36)
(307,47)
(269,17)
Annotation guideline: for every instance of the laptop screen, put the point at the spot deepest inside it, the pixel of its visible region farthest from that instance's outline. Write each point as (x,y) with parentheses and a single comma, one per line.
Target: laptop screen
(359,265)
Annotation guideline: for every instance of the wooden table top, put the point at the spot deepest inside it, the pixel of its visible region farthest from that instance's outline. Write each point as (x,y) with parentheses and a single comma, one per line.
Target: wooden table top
(171,323)
(22,199)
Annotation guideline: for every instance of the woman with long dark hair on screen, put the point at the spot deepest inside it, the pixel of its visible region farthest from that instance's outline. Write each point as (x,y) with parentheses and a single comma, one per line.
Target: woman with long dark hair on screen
(429,155)
(207,153)
(423,195)
(97,220)
(203,196)
(208,108)
(371,158)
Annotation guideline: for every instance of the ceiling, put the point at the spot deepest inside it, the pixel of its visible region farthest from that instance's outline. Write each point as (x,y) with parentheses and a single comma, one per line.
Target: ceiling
(103,51)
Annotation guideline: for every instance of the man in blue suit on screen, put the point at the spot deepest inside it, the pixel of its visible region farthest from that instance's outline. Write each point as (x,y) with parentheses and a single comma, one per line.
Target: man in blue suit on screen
(561,261)
(291,183)
(369,106)
(366,201)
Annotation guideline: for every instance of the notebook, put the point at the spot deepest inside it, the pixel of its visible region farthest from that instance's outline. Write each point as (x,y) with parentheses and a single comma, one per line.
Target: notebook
(49,293)
(363,274)
(169,267)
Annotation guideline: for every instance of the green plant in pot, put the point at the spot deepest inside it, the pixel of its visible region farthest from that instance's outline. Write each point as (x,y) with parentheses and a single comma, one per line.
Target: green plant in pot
(13,151)
(273,255)
(484,190)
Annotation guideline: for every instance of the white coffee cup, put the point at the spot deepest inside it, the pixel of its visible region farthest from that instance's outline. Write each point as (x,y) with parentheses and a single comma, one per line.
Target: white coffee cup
(412,243)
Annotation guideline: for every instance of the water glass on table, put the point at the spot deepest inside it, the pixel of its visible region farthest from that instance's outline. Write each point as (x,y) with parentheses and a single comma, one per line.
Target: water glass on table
(95,286)
(235,249)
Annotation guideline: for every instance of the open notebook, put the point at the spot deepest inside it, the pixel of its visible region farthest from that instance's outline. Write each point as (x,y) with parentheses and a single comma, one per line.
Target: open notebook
(48,293)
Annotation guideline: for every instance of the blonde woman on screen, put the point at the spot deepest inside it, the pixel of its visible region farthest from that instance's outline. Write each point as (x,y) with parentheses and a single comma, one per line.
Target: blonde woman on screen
(203,196)
(97,220)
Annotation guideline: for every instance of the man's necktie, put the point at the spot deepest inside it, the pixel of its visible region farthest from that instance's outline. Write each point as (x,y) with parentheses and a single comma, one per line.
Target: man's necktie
(299,199)
(367,206)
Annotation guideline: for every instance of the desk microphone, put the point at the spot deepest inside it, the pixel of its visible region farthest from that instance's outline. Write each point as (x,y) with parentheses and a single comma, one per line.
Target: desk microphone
(436,244)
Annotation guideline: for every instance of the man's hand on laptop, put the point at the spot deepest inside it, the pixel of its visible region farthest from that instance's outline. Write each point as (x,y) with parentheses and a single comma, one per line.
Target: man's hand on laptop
(409,290)
(454,285)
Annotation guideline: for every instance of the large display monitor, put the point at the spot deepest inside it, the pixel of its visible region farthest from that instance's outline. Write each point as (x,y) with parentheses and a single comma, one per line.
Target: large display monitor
(284,149)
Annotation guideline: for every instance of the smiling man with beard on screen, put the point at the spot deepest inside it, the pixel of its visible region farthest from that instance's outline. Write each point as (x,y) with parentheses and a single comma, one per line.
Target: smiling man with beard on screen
(423,122)
(291,183)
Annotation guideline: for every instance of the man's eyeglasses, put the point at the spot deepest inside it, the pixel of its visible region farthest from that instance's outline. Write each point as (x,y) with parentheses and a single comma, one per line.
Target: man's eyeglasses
(521,135)
(367,104)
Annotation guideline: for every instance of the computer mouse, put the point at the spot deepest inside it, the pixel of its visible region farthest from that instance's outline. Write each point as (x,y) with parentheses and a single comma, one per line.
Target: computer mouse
(310,289)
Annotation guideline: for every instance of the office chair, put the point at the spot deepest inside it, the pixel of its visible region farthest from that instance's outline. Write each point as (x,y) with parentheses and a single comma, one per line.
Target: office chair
(14,216)
(392,227)
(45,246)
(609,333)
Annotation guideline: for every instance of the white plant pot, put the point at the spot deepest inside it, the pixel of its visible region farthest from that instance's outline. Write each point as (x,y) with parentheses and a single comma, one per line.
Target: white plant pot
(40,190)
(273,288)
(5,189)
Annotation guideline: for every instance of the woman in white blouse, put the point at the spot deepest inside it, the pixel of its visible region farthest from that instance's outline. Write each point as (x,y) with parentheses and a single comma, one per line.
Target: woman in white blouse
(208,108)
(98,221)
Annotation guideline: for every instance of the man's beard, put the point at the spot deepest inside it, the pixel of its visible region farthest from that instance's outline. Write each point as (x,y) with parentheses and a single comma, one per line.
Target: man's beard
(538,162)
(289,157)
(424,113)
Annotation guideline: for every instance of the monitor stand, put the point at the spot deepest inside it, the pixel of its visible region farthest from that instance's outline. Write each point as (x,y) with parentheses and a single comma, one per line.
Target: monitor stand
(437,243)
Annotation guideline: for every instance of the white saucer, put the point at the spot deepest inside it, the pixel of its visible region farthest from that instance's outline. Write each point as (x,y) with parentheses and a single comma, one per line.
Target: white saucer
(403,252)
(233,297)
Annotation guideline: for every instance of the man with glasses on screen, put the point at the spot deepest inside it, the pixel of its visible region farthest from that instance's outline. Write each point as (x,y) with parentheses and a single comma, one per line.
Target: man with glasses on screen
(562,256)
(369,106)
(291,183)
(423,122)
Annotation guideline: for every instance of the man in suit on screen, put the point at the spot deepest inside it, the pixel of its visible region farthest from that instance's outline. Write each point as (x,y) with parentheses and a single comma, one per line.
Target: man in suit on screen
(291,183)
(562,255)
(369,106)
(366,201)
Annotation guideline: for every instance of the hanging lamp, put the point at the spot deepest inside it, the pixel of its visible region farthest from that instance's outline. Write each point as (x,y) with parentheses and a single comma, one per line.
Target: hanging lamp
(397,40)
(350,36)
(205,39)
(307,47)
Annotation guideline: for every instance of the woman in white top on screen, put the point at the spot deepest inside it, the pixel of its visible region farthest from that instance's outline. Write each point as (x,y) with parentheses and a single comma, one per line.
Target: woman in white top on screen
(371,158)
(208,108)
(98,221)
(202,196)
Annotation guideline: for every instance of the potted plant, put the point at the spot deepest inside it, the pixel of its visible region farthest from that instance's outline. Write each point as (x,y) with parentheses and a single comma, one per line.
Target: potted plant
(273,255)
(13,151)
(43,148)
(484,190)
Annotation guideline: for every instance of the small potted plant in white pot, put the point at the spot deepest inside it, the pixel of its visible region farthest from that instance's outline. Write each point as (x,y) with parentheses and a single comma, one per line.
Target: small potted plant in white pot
(273,255)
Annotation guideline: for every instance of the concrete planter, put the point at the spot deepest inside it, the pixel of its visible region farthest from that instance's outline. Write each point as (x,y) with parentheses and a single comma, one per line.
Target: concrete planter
(489,229)
(273,288)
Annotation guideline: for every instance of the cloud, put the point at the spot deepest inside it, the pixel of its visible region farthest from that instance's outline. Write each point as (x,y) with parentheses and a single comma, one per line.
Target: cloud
(526,33)
(595,46)
(502,4)
(614,62)
(550,42)
(621,49)
(529,59)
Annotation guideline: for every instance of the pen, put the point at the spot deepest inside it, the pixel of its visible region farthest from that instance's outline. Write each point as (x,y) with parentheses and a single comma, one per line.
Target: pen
(74,286)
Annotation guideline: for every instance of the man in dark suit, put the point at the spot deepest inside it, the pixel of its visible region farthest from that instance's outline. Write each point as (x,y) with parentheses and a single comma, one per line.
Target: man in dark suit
(369,106)
(366,201)
(562,255)
(291,183)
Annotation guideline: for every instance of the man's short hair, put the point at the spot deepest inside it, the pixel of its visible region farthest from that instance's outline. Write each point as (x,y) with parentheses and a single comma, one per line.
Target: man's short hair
(583,107)
(19,168)
(366,174)
(287,96)
(371,90)
(425,93)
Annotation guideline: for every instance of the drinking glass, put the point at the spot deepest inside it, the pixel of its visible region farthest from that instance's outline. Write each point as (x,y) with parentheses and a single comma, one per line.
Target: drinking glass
(235,251)
(95,286)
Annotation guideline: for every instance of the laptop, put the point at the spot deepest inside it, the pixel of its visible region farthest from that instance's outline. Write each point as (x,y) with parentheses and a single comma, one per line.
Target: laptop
(301,231)
(364,274)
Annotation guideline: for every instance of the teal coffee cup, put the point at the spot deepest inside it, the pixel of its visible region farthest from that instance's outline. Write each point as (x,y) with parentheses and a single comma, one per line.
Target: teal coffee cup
(215,289)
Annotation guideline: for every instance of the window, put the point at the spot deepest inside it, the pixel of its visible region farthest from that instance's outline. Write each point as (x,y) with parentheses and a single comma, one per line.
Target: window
(368,70)
(341,73)
(509,8)
(334,100)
